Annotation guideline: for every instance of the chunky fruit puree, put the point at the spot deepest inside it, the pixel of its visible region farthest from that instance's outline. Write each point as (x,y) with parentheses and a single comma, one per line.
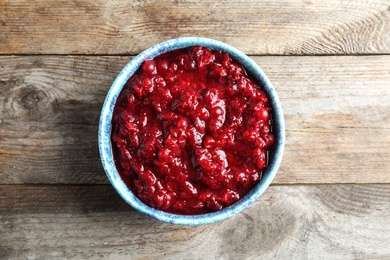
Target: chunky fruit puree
(191,131)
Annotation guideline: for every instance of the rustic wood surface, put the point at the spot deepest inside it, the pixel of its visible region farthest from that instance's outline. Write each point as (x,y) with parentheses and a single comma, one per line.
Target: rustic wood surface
(127,27)
(335,112)
(289,222)
(329,62)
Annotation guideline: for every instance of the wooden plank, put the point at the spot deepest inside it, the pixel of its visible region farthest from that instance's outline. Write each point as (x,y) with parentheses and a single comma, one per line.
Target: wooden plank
(287,222)
(256,27)
(49,111)
(336,110)
(337,118)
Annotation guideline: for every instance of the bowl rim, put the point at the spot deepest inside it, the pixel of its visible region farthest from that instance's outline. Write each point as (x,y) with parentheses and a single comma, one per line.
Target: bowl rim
(104,131)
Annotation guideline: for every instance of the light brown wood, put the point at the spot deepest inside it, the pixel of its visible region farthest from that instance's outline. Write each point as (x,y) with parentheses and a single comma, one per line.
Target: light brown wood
(49,111)
(256,27)
(331,197)
(337,117)
(287,222)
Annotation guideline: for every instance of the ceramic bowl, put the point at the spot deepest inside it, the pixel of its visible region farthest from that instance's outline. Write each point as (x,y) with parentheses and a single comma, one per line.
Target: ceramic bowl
(105,149)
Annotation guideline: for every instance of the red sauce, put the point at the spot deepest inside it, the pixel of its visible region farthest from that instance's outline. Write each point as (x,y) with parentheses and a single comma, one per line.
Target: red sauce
(191,131)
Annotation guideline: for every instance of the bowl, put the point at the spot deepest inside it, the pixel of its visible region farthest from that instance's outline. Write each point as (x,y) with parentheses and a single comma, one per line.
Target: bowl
(104,132)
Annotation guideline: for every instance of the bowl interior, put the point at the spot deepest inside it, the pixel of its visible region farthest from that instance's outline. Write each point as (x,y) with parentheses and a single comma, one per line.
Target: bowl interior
(104,135)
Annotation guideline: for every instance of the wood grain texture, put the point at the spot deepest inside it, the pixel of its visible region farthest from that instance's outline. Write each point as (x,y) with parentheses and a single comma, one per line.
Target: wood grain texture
(287,222)
(256,27)
(55,200)
(337,117)
(50,108)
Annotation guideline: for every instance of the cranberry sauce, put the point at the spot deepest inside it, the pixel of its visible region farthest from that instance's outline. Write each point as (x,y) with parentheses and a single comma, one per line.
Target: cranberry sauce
(191,132)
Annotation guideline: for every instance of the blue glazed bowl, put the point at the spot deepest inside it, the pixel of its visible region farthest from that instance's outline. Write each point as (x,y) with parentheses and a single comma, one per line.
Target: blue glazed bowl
(104,135)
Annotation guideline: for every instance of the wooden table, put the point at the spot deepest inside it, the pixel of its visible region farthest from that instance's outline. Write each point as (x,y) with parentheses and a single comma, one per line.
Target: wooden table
(328,60)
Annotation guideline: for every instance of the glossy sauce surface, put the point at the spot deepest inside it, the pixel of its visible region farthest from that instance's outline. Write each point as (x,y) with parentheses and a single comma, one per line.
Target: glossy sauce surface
(191,132)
